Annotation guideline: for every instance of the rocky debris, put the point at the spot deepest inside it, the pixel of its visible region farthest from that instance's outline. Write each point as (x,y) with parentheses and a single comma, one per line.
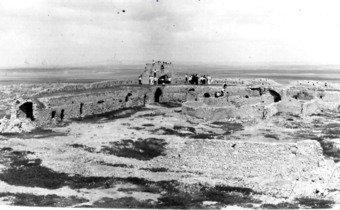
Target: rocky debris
(16,125)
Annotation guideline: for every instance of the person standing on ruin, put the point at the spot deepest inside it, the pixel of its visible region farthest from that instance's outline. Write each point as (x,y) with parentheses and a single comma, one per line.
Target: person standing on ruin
(162,69)
(201,80)
(140,80)
(224,85)
(186,78)
(155,81)
(154,72)
(151,80)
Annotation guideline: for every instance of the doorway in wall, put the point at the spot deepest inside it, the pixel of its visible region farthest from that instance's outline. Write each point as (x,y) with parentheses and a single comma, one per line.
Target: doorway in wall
(27,109)
(158,94)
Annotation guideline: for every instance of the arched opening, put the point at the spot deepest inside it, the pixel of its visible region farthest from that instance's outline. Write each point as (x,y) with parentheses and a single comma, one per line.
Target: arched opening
(101,101)
(158,94)
(81,108)
(127,97)
(62,114)
(53,114)
(191,89)
(206,95)
(246,96)
(275,95)
(27,109)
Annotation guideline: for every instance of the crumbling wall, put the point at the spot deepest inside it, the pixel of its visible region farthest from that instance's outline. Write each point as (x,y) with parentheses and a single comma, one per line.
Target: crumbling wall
(245,82)
(174,94)
(200,93)
(290,105)
(60,107)
(280,169)
(222,112)
(85,87)
(252,100)
(238,102)
(314,83)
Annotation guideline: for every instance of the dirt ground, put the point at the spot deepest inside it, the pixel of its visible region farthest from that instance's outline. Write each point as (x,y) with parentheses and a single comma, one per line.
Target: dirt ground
(108,161)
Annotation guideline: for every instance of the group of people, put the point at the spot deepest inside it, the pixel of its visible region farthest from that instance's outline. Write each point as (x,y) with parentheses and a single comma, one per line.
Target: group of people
(195,79)
(161,62)
(152,80)
(162,80)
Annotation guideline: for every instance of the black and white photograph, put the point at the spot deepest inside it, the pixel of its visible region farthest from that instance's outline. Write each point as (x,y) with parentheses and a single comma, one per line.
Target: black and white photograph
(169,104)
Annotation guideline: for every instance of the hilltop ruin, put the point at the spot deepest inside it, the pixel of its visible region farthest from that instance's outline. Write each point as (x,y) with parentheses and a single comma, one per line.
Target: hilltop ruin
(284,168)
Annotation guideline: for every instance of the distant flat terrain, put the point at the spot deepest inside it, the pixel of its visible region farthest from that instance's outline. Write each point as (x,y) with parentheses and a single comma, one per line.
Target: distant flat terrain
(280,73)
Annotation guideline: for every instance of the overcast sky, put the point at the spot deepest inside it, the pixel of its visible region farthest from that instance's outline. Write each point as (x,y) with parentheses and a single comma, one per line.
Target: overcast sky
(61,32)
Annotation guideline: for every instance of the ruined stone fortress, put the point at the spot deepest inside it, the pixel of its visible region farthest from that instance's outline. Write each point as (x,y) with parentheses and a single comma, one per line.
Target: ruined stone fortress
(244,98)
(241,161)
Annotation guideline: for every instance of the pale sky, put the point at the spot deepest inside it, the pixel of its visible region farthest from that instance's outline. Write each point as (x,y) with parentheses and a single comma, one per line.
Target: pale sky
(81,32)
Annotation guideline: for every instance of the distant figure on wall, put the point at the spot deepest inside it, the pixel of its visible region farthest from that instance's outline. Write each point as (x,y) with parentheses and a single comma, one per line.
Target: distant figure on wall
(154,72)
(186,78)
(151,80)
(209,80)
(224,85)
(162,69)
(140,80)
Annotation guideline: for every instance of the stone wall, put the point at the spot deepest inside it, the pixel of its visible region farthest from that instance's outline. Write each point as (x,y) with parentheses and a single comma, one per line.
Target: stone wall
(245,82)
(221,113)
(64,106)
(84,87)
(313,83)
(281,169)
(80,100)
(238,102)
